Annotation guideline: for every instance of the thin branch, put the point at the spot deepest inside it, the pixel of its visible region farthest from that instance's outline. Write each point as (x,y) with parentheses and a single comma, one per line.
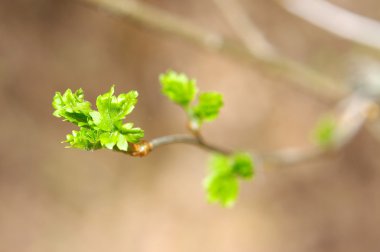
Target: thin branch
(336,20)
(258,46)
(187,139)
(160,20)
(246,30)
(351,115)
(143,148)
(355,111)
(291,156)
(156,19)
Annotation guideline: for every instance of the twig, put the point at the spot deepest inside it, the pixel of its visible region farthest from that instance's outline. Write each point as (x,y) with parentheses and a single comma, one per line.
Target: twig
(336,20)
(246,30)
(354,114)
(156,19)
(351,115)
(187,139)
(259,46)
(160,20)
(291,156)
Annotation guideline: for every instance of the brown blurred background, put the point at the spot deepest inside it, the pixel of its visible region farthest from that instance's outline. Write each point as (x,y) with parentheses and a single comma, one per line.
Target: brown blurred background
(54,199)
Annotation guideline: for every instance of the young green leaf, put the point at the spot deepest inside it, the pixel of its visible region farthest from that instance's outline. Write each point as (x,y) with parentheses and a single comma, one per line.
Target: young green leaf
(178,88)
(182,91)
(208,107)
(72,107)
(133,135)
(222,189)
(325,131)
(109,139)
(112,109)
(85,139)
(243,165)
(122,142)
(222,182)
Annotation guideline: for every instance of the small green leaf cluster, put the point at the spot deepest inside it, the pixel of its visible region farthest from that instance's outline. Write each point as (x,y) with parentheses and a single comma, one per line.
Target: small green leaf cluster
(221,184)
(183,91)
(324,132)
(102,128)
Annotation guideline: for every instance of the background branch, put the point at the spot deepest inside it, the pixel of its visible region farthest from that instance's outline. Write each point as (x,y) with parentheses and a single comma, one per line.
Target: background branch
(246,30)
(351,114)
(151,17)
(345,24)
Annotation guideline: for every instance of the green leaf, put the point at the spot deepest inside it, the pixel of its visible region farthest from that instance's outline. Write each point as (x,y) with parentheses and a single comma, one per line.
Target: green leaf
(221,184)
(96,117)
(178,88)
(133,135)
(72,107)
(243,165)
(208,106)
(122,143)
(182,91)
(220,164)
(85,139)
(109,139)
(325,131)
(113,109)
(222,189)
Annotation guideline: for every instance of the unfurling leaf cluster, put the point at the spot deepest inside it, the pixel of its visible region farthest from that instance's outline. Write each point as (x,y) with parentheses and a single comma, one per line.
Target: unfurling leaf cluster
(183,91)
(221,184)
(102,128)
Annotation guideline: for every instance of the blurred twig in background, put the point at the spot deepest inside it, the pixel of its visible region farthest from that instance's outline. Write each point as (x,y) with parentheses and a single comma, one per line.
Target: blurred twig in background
(321,86)
(253,39)
(343,23)
(349,115)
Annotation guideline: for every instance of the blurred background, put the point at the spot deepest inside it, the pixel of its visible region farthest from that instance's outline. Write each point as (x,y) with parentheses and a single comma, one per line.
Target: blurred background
(55,199)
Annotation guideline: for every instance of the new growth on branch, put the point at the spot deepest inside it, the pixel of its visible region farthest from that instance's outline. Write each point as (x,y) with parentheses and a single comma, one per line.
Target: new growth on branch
(105,128)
